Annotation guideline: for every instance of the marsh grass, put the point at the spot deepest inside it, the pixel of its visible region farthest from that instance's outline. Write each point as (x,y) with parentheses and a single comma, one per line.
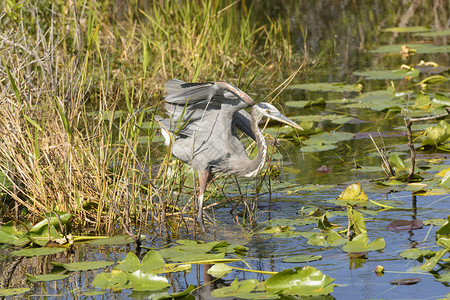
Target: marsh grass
(79,80)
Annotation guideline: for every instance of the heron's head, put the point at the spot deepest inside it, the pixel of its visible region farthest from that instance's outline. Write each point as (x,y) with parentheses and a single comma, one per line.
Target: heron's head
(270,111)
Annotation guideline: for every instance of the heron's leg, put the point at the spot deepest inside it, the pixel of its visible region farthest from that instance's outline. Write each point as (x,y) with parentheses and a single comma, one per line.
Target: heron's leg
(203,179)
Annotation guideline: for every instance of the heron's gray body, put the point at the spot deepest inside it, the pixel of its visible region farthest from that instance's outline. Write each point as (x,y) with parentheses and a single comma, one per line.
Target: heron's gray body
(202,123)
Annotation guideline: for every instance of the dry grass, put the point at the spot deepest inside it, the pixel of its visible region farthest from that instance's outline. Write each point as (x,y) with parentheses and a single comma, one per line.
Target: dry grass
(75,79)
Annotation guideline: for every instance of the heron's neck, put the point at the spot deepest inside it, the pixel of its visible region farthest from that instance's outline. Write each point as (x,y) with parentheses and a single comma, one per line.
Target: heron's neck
(257,163)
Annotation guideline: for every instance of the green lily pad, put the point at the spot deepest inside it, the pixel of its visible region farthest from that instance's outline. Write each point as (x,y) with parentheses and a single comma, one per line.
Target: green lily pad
(306,281)
(150,262)
(37,251)
(9,234)
(444,277)
(85,265)
(93,293)
(419,48)
(13,291)
(353,192)
(388,74)
(303,103)
(46,277)
(115,240)
(407,29)
(219,270)
(417,254)
(429,264)
(246,289)
(302,258)
(444,32)
(328,87)
(114,280)
(360,244)
(147,281)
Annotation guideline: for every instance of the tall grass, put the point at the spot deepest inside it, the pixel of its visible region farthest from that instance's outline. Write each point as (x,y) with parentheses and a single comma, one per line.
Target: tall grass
(78,82)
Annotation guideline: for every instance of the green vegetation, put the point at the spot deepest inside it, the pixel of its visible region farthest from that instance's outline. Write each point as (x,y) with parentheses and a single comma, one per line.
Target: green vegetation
(82,78)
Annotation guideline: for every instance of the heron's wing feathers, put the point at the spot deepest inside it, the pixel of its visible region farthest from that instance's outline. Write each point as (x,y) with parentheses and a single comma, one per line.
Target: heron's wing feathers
(180,92)
(242,121)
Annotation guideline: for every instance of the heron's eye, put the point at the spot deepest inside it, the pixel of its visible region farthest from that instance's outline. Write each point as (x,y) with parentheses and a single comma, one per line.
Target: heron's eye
(268,111)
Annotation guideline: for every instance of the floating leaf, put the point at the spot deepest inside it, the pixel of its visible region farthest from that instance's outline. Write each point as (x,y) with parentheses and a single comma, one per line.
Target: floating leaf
(359,244)
(328,87)
(444,32)
(219,270)
(407,29)
(353,192)
(114,280)
(444,277)
(85,265)
(37,251)
(388,74)
(246,289)
(404,225)
(147,281)
(115,240)
(303,103)
(444,229)
(46,277)
(430,263)
(306,281)
(356,221)
(419,48)
(93,293)
(302,258)
(405,281)
(13,291)
(417,254)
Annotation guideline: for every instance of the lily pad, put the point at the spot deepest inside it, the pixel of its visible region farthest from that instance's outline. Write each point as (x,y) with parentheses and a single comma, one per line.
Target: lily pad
(114,280)
(302,258)
(353,192)
(417,254)
(444,32)
(13,291)
(419,48)
(360,244)
(219,270)
(407,29)
(115,240)
(328,87)
(246,289)
(147,281)
(388,74)
(29,252)
(46,277)
(85,265)
(150,262)
(306,281)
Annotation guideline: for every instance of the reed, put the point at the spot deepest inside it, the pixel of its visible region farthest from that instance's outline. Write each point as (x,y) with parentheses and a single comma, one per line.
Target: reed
(79,82)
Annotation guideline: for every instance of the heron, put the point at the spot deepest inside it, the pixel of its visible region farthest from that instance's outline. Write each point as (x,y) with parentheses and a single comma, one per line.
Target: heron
(201,129)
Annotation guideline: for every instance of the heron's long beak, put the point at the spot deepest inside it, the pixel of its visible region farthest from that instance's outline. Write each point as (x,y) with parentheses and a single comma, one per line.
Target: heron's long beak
(283,119)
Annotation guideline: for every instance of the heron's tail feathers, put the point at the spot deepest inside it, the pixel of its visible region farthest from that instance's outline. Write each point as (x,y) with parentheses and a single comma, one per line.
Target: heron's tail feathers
(173,86)
(168,136)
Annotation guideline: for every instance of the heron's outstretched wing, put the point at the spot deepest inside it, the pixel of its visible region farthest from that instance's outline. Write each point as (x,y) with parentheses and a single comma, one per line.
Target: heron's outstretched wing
(242,121)
(189,104)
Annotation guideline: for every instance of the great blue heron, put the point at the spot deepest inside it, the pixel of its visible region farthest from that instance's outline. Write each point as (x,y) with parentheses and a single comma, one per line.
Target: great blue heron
(201,129)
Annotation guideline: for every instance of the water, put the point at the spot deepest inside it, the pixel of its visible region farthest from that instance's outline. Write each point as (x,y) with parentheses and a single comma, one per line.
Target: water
(340,34)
